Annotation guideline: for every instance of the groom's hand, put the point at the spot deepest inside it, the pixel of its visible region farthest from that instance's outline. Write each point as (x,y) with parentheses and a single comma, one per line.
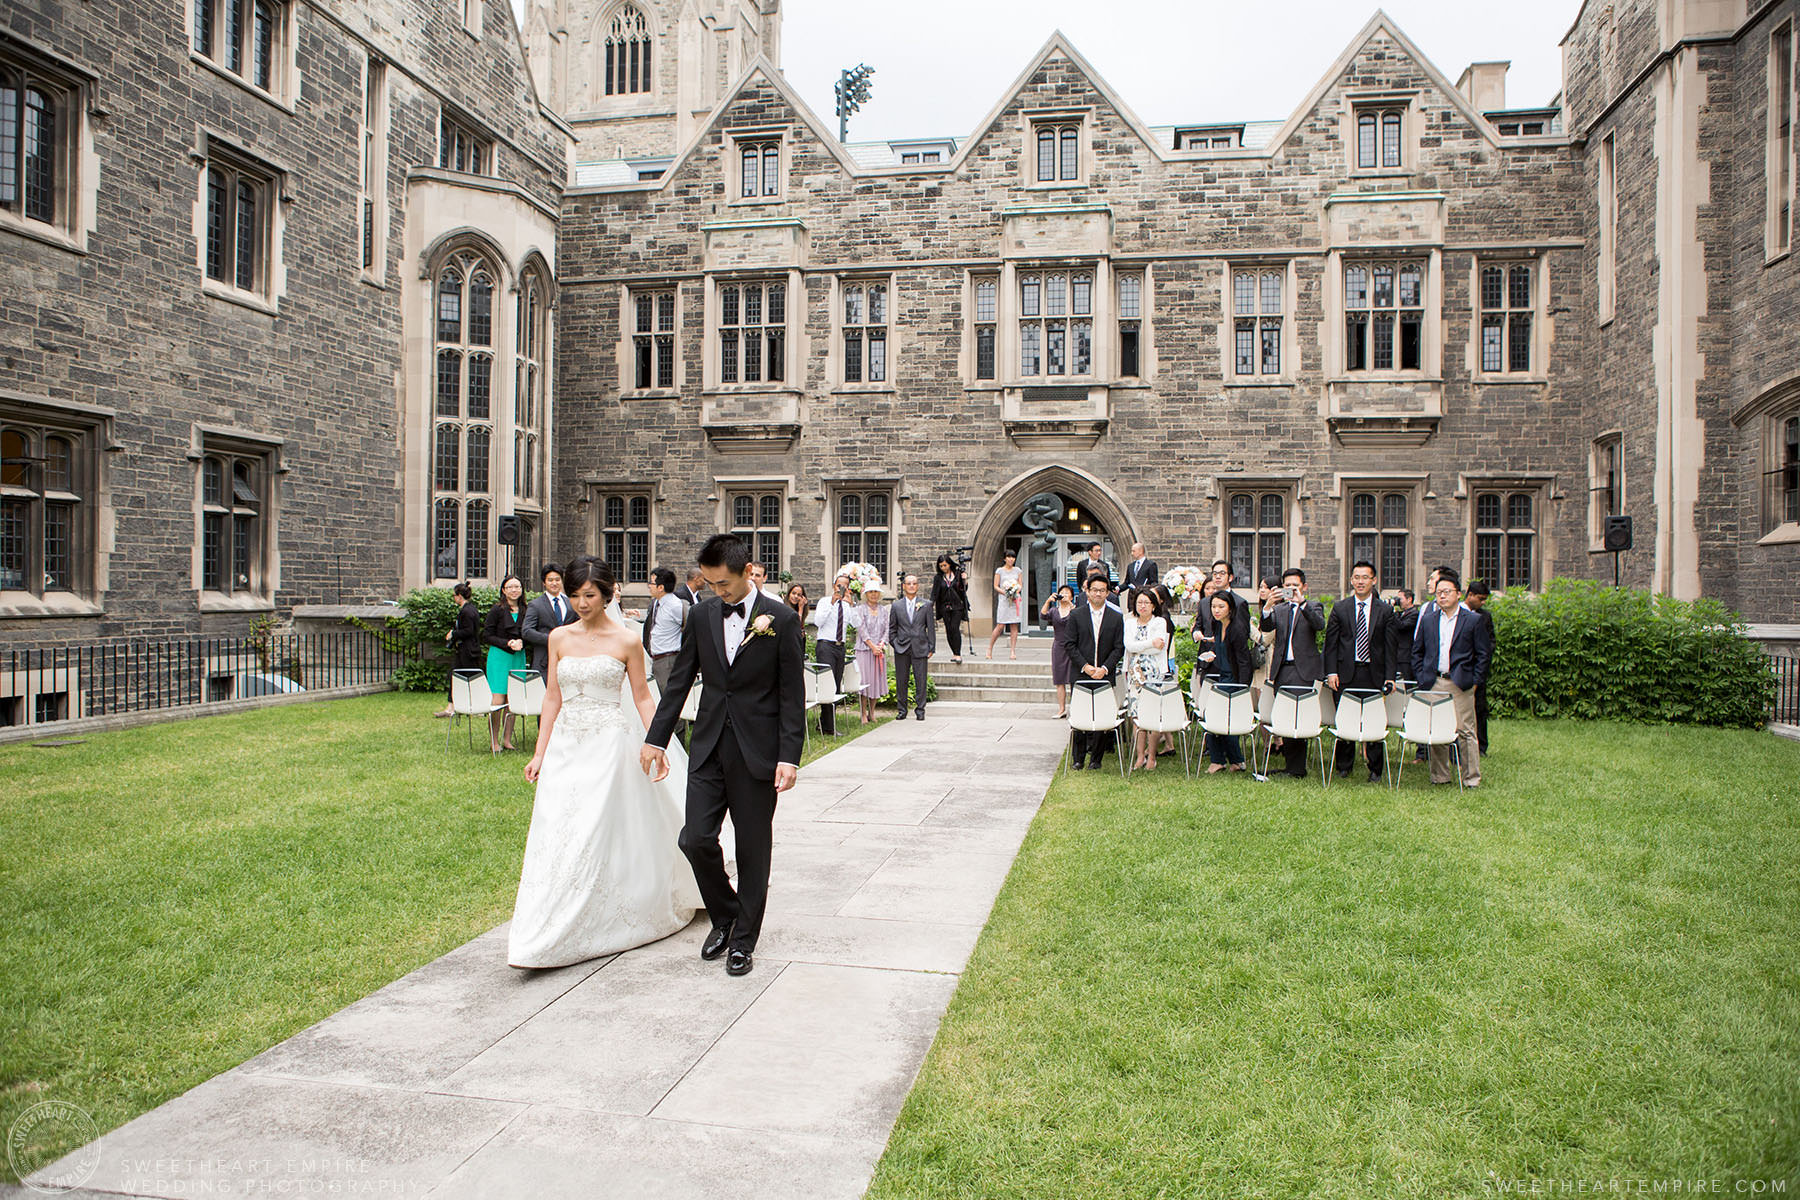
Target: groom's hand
(785,776)
(654,762)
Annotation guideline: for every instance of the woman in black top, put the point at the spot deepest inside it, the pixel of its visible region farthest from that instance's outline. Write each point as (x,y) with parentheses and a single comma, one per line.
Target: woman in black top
(464,636)
(950,601)
(1227,660)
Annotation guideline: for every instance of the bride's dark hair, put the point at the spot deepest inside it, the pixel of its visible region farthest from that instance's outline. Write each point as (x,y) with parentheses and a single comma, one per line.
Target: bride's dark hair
(587,569)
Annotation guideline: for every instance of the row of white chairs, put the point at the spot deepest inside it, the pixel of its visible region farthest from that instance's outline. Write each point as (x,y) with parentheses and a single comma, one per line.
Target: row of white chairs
(1230,710)
(469,697)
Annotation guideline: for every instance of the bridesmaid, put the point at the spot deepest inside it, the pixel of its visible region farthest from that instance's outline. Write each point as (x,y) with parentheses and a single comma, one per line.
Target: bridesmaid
(506,653)
(1057,609)
(1009,611)
(871,625)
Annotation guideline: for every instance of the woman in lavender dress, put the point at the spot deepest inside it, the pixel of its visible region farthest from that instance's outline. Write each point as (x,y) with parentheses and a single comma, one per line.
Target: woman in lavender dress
(870,620)
(1057,610)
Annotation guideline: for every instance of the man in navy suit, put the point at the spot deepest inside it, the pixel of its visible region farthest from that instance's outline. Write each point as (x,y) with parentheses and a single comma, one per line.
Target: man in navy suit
(1452,647)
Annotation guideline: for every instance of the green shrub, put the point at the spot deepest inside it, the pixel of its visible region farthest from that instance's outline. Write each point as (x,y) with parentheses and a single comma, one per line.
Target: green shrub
(425,616)
(1584,649)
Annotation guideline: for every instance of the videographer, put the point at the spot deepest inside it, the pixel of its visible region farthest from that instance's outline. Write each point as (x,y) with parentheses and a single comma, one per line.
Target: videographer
(950,600)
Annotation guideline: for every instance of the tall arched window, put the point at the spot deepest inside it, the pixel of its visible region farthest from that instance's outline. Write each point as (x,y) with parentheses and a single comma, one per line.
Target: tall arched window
(627,53)
(463,419)
(528,393)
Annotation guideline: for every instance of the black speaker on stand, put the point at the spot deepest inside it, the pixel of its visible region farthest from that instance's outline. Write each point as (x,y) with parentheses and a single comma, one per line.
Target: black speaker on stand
(1616,537)
(507,534)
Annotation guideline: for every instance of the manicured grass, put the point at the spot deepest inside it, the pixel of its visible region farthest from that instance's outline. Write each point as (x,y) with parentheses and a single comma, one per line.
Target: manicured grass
(176,898)
(1589,969)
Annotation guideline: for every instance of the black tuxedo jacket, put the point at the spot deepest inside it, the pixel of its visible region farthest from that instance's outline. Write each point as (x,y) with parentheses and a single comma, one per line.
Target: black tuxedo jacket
(758,699)
(1078,640)
(1141,574)
(1311,620)
(1340,637)
(1471,648)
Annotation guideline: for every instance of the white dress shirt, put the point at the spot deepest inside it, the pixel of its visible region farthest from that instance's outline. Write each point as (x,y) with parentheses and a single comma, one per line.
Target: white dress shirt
(825,619)
(1446,632)
(735,626)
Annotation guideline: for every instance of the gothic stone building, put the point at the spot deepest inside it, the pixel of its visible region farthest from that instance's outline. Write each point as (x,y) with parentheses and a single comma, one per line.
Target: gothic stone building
(304,296)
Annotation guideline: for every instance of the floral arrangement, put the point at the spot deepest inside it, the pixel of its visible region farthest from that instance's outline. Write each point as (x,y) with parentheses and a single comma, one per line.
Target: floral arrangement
(1184,582)
(1011,591)
(861,576)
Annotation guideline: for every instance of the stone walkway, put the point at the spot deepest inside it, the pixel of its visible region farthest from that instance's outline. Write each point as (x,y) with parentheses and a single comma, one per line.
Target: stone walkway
(650,1074)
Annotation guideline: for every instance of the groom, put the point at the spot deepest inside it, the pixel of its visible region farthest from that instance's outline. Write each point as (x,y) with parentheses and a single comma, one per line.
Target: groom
(746,739)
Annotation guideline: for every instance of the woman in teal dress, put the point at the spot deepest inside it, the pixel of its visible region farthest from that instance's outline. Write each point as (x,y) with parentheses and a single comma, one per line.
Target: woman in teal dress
(506,653)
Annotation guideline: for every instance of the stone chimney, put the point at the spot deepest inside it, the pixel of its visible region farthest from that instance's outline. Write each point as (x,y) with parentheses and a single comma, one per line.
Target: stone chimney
(1483,85)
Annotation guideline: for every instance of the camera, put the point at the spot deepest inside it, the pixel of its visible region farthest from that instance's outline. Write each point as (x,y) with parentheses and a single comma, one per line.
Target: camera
(961,556)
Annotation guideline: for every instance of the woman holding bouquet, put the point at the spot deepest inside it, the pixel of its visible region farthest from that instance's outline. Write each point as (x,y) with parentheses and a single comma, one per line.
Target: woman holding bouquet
(1009,604)
(870,621)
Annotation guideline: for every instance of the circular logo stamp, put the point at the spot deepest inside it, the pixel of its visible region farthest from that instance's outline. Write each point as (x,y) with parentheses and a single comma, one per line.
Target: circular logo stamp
(36,1134)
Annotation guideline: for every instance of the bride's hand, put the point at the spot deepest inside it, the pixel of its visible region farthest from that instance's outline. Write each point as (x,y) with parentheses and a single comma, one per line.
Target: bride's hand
(532,767)
(654,763)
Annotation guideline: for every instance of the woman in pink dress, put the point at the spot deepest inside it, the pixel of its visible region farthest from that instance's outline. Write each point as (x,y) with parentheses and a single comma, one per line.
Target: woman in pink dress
(870,620)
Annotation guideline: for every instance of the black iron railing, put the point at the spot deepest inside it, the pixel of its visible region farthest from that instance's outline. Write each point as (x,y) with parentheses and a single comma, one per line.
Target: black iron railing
(1786,706)
(100,679)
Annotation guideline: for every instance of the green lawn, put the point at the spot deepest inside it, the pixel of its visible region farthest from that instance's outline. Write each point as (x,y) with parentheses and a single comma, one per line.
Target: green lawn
(1588,970)
(176,898)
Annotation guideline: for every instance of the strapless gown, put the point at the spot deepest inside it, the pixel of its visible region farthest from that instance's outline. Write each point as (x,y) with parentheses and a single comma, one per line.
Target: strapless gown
(602,871)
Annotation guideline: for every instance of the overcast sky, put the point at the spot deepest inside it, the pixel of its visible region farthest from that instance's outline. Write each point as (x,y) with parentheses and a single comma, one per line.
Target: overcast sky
(940,65)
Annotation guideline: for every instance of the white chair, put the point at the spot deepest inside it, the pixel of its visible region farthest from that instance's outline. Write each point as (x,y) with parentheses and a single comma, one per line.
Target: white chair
(1361,717)
(469,697)
(1161,708)
(1296,714)
(525,695)
(1396,705)
(1230,712)
(819,689)
(1094,708)
(1265,707)
(1199,687)
(1430,721)
(852,677)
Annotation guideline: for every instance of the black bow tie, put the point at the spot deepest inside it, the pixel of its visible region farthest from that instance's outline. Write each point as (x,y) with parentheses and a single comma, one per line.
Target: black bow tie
(737,609)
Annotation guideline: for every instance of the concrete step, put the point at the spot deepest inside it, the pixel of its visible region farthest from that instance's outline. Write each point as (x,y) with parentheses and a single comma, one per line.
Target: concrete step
(979,679)
(1016,695)
(945,669)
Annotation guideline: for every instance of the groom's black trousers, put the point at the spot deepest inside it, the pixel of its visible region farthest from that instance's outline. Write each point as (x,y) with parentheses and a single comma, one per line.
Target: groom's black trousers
(719,785)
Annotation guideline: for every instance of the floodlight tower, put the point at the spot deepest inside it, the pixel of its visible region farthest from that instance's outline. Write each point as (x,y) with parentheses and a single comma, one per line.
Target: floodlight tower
(852,90)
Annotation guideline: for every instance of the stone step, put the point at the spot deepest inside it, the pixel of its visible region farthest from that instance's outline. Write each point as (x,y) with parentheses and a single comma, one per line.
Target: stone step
(1022,667)
(1039,678)
(1016,695)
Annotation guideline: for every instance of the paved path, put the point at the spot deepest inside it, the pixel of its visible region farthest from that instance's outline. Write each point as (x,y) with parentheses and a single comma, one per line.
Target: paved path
(650,1074)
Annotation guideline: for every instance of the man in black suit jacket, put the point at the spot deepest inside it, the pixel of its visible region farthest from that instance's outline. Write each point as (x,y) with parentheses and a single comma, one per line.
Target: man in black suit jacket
(1294,659)
(694,589)
(912,632)
(1359,640)
(745,744)
(1452,647)
(1094,641)
(542,617)
(1141,570)
(1204,625)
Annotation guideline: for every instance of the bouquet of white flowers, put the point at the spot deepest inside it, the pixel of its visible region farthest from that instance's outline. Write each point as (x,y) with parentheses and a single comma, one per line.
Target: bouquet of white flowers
(1184,581)
(860,575)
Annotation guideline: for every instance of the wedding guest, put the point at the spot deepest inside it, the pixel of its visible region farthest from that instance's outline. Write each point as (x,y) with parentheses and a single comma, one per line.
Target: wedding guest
(759,579)
(950,601)
(662,626)
(1224,576)
(1147,641)
(914,637)
(1359,640)
(1451,650)
(1226,661)
(796,600)
(1296,623)
(1165,604)
(506,653)
(1094,639)
(1477,599)
(1406,616)
(1265,588)
(1095,562)
(544,615)
(1140,572)
(1009,604)
(870,621)
(689,592)
(1056,610)
(464,636)
(831,618)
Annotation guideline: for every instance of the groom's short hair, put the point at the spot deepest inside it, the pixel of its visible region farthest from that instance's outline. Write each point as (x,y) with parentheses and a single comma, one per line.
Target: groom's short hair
(725,550)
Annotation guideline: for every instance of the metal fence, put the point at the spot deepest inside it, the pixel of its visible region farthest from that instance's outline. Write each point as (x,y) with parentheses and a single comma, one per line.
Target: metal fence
(1786,707)
(101,679)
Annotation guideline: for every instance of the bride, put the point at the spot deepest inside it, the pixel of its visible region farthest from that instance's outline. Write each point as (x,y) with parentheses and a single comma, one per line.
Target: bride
(603,872)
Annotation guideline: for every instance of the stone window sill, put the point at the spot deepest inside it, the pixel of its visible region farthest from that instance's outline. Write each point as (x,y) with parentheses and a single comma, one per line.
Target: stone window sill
(37,231)
(239,297)
(651,394)
(1491,378)
(863,389)
(1258,381)
(237,602)
(1787,534)
(52,604)
(286,106)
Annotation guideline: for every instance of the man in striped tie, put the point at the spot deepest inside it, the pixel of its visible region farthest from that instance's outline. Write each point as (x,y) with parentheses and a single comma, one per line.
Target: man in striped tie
(1358,651)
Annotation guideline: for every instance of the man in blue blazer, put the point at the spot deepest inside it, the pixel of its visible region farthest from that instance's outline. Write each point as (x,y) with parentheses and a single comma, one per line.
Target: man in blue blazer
(1451,649)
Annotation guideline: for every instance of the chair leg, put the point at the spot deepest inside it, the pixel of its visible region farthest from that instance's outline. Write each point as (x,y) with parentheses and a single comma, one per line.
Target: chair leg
(1119,745)
(449,731)
(1456,761)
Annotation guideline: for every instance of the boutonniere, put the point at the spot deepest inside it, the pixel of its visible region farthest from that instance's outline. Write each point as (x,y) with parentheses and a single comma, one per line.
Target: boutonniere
(763,626)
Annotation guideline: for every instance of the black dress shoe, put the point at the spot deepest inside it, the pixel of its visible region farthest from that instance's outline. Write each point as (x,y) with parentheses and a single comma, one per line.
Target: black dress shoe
(738,962)
(1093,764)
(1078,765)
(715,942)
(901,715)
(1375,777)
(920,716)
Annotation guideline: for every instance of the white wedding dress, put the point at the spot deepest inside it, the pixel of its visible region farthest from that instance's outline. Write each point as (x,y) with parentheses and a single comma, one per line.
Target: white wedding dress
(602,872)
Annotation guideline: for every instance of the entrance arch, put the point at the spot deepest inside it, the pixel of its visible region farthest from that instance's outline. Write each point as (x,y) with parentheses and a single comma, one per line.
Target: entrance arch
(1076,487)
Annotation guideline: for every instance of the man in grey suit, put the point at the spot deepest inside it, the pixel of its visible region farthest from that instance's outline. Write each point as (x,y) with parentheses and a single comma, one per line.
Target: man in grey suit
(543,615)
(1294,659)
(913,635)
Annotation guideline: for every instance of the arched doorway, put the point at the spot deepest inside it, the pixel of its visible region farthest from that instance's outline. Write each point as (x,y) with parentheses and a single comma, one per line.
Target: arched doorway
(1090,512)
